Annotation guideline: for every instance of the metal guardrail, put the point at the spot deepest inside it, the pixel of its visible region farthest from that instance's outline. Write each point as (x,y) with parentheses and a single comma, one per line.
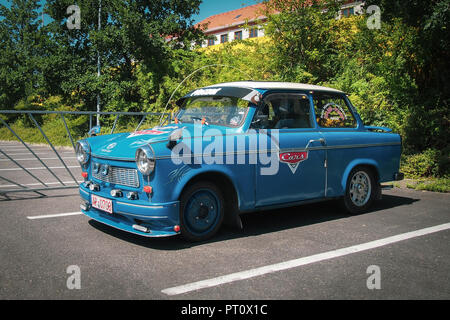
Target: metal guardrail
(60,184)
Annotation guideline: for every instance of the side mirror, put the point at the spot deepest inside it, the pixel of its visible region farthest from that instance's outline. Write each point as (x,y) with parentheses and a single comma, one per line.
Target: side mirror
(174,136)
(94,131)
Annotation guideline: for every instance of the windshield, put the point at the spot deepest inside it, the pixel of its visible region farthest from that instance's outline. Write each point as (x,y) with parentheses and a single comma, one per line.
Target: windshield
(217,110)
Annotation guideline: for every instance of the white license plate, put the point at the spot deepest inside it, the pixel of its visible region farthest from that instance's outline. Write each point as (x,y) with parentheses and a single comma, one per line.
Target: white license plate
(102,203)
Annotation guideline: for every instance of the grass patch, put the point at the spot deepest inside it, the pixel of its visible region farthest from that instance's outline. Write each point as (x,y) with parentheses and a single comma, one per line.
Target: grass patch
(428,184)
(435,185)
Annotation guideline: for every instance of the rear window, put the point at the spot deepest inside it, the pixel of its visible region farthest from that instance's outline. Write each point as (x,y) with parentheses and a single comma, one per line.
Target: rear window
(332,111)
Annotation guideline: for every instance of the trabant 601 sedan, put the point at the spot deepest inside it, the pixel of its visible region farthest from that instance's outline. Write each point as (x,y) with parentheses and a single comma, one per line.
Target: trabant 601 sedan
(233,148)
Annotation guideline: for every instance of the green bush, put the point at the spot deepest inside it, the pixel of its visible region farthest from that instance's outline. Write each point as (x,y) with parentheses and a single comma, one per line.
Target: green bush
(431,162)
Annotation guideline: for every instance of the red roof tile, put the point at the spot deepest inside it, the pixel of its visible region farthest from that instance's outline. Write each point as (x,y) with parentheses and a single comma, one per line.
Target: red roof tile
(234,17)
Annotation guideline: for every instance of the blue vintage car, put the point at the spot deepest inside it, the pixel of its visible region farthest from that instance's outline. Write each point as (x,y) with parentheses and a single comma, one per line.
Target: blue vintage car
(233,148)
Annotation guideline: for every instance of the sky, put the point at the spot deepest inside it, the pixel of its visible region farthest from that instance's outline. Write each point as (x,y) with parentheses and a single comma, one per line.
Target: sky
(207,7)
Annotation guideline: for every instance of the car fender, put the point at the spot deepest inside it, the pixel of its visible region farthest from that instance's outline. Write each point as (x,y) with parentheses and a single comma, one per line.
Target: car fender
(353,164)
(205,170)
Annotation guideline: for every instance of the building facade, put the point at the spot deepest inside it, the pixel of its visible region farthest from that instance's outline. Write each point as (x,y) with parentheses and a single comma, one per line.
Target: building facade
(239,24)
(247,22)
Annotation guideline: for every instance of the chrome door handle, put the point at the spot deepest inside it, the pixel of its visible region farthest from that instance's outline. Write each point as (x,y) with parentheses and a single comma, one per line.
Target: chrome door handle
(321,140)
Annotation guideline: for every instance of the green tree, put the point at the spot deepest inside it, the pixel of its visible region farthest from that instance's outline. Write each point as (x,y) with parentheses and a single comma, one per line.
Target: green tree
(429,120)
(132,33)
(20,47)
(304,48)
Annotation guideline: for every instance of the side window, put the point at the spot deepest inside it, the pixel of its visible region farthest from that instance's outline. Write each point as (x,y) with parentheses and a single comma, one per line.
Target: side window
(284,111)
(332,111)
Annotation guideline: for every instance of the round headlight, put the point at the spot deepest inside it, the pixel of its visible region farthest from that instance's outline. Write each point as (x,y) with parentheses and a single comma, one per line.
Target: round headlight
(82,151)
(145,160)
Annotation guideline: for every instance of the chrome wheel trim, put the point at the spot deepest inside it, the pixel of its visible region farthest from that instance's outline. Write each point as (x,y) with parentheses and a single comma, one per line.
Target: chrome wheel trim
(360,188)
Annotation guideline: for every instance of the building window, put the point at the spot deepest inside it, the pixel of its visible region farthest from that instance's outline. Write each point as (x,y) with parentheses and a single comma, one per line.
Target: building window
(210,42)
(238,35)
(253,33)
(224,38)
(348,12)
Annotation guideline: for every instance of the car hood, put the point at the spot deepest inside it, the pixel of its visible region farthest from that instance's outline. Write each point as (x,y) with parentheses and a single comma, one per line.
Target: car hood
(122,146)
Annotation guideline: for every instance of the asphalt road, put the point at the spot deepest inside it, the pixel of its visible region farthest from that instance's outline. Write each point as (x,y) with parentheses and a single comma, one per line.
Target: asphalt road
(308,252)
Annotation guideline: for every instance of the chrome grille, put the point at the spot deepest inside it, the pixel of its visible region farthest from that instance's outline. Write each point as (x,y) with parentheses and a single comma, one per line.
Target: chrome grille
(123,176)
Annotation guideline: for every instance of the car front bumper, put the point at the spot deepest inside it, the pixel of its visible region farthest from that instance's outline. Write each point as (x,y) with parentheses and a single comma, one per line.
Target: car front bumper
(144,219)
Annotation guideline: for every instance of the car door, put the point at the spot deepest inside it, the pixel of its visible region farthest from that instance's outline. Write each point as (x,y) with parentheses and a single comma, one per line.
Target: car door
(285,123)
(339,126)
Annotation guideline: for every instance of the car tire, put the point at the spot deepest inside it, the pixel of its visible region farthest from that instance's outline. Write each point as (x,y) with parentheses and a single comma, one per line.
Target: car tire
(360,191)
(201,211)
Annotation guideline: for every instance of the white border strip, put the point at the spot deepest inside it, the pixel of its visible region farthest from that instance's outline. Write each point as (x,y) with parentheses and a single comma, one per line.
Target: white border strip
(55,215)
(301,261)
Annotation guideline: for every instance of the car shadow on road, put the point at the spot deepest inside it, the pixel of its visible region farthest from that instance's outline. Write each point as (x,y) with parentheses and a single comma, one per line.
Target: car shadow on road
(260,222)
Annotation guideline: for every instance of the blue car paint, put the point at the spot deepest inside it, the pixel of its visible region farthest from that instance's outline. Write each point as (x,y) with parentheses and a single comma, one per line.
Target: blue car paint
(323,175)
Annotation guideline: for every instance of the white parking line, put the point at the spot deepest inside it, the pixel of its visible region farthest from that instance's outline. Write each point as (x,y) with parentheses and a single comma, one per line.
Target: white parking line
(38,184)
(301,261)
(35,159)
(11,145)
(55,215)
(28,152)
(38,168)
(36,153)
(25,149)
